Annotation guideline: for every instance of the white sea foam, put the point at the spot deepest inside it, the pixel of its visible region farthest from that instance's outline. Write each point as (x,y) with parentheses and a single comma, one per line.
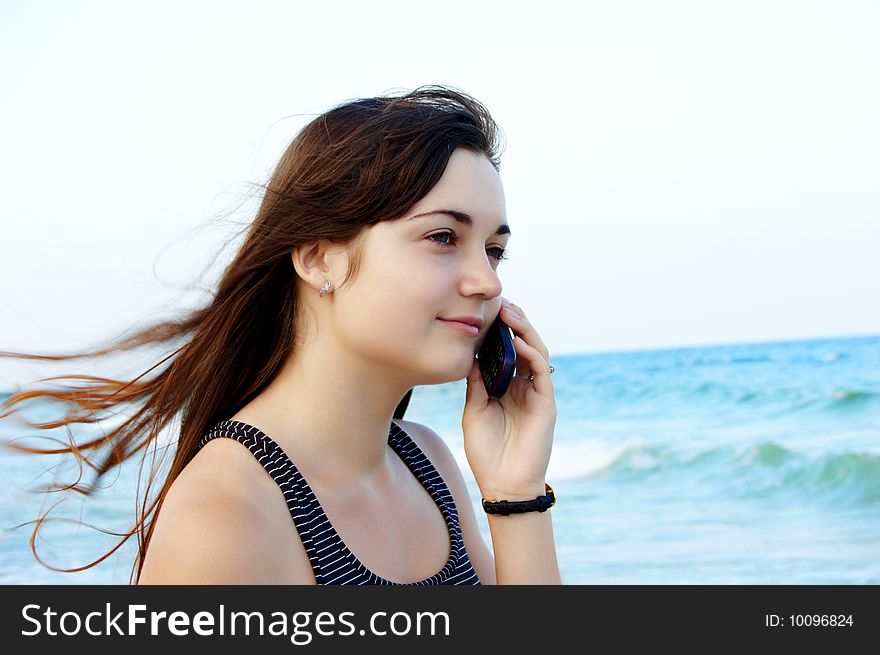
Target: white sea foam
(572,460)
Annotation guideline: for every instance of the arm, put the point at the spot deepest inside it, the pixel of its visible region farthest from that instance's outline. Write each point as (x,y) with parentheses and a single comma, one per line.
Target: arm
(525,552)
(507,442)
(193,545)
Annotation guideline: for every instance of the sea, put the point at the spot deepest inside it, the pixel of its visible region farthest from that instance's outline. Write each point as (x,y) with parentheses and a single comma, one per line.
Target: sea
(737,464)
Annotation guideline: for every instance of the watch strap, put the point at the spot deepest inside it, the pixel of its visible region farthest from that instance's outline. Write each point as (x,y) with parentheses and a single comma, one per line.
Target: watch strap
(505,507)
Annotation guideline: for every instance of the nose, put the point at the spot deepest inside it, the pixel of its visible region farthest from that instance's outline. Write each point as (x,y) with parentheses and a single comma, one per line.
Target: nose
(481,277)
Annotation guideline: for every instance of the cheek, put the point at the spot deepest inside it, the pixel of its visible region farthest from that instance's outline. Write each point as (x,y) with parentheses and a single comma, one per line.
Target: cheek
(419,286)
(401,293)
(388,310)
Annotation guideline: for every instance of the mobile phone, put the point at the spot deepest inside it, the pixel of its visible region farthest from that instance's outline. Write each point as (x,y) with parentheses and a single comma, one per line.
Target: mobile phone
(497,358)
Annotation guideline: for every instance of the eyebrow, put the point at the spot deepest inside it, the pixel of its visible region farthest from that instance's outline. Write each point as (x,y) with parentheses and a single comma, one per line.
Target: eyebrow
(461,217)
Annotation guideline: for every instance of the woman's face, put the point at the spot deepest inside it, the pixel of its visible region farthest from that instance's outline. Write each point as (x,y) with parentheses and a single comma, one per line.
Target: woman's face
(419,268)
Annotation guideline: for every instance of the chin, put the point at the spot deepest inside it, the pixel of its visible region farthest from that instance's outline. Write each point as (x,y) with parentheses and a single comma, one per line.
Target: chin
(462,371)
(452,371)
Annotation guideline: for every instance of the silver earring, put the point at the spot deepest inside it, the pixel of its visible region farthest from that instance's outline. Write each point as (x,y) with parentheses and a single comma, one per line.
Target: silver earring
(325,288)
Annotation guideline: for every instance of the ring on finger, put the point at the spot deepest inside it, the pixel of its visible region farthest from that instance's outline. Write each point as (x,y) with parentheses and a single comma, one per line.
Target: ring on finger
(552,368)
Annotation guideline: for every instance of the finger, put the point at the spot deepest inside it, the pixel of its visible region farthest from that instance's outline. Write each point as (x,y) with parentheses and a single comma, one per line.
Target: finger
(519,310)
(539,366)
(476,391)
(523,328)
(506,303)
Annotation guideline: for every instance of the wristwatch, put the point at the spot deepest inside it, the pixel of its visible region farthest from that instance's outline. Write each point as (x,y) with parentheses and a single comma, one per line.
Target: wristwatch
(505,507)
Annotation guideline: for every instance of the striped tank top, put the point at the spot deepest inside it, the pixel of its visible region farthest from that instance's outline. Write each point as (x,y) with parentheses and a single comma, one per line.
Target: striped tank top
(332,561)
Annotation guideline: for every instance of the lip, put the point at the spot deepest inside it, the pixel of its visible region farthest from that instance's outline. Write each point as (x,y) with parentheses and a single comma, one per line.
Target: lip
(476,321)
(465,328)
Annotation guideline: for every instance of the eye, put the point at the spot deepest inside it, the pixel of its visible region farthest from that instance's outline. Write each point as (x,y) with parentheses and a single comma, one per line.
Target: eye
(500,253)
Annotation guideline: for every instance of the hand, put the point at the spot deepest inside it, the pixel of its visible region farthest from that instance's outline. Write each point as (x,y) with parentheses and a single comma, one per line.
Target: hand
(508,440)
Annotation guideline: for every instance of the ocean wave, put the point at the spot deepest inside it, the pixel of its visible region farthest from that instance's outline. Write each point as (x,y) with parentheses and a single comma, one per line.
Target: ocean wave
(579,459)
(761,400)
(852,397)
(754,470)
(854,475)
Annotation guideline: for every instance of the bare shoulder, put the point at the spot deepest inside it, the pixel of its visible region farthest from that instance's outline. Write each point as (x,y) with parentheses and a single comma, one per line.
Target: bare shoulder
(434,447)
(436,450)
(221,522)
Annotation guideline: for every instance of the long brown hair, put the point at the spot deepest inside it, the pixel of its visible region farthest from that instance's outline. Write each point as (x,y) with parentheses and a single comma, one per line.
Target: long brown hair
(362,162)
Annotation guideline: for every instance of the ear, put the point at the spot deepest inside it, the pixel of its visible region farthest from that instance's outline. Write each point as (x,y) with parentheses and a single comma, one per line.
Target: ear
(317,261)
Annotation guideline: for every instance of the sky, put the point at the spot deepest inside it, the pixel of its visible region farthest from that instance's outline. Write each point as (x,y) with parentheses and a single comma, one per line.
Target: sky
(676,174)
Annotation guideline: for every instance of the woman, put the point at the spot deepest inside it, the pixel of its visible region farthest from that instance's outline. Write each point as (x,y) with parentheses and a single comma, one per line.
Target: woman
(384,218)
